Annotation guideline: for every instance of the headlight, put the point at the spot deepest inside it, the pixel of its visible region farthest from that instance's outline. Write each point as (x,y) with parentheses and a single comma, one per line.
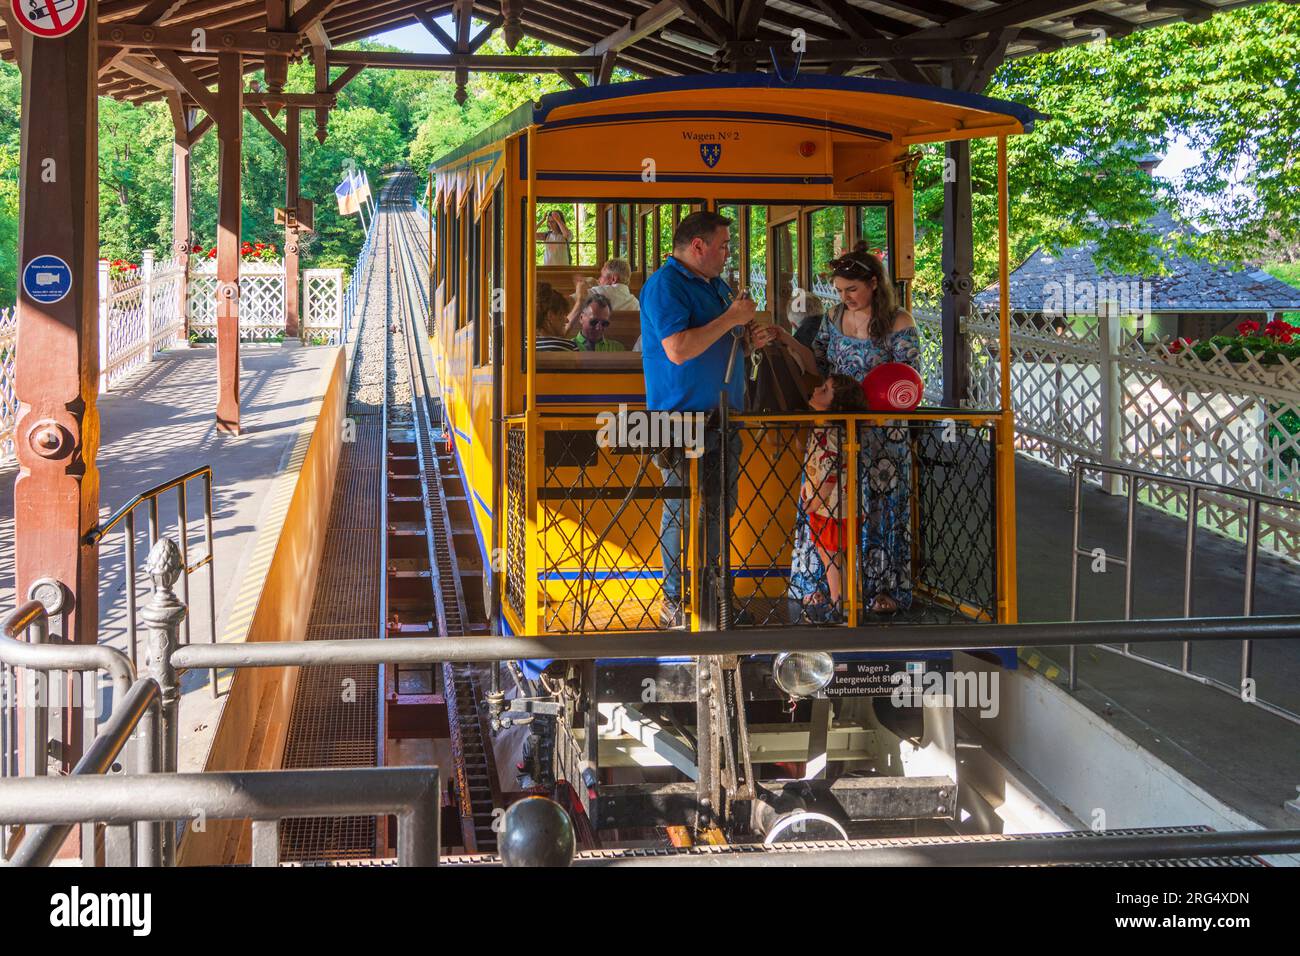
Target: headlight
(802,674)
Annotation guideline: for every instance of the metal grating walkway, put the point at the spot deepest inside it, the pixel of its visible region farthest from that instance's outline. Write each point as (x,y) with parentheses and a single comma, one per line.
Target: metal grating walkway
(334,722)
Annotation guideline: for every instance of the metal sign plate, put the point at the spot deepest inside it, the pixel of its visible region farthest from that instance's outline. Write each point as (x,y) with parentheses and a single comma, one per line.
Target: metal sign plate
(49,18)
(47,279)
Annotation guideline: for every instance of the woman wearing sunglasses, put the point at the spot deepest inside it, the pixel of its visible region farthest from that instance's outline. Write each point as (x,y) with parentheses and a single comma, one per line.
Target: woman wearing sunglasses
(867,329)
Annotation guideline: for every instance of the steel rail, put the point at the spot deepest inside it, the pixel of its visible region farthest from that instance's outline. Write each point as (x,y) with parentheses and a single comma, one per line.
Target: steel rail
(883,638)
(475,785)
(1010,851)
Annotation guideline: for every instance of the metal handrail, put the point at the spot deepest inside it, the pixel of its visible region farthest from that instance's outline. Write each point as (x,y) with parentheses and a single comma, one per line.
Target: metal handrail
(41,658)
(125,515)
(59,657)
(263,796)
(139,708)
(97,533)
(1195,490)
(887,638)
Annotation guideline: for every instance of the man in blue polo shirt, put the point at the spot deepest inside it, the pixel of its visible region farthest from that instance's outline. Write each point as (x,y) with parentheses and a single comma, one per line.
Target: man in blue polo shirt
(688,320)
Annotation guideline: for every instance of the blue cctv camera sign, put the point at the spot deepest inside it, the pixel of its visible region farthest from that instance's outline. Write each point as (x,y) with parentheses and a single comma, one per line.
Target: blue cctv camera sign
(47,279)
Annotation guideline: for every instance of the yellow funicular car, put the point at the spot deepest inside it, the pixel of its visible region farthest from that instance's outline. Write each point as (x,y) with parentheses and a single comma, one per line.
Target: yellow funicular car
(570,523)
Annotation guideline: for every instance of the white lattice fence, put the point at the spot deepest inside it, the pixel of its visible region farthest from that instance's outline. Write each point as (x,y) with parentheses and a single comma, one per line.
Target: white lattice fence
(138,317)
(929,328)
(1218,421)
(8,397)
(1056,381)
(322,306)
(1084,388)
(261,301)
(123,327)
(167,305)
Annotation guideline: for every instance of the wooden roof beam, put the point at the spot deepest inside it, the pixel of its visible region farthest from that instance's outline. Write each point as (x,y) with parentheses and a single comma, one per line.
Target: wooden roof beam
(311,14)
(992,52)
(554,24)
(1111,26)
(853,21)
(194,87)
(437,32)
(279,135)
(154,12)
(1017,13)
(638,28)
(344,78)
(711,22)
(485,32)
(453,61)
(654,53)
(876,51)
(182,40)
(1193,11)
(142,70)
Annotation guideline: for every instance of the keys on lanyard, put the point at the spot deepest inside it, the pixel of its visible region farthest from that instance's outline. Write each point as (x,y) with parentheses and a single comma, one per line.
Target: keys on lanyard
(755,360)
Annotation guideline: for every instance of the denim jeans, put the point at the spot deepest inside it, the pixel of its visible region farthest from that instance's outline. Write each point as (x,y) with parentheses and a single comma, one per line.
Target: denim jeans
(674,528)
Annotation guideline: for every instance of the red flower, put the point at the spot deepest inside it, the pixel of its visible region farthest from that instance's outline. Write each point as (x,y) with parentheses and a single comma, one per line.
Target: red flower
(1247,328)
(259,245)
(196,248)
(1178,345)
(1279,328)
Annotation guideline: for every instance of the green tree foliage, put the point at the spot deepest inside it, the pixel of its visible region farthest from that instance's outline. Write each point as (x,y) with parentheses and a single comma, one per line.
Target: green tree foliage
(1230,86)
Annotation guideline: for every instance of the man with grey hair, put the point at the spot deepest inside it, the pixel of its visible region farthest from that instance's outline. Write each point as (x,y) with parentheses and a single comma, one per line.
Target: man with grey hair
(612,284)
(593,314)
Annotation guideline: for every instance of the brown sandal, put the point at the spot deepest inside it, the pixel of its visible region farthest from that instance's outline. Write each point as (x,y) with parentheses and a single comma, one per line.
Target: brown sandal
(884,604)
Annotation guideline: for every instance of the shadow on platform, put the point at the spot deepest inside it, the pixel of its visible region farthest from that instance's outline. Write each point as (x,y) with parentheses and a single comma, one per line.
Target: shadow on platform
(1241,754)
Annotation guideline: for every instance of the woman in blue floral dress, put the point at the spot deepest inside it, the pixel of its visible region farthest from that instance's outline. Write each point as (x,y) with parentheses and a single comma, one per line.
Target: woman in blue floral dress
(865,330)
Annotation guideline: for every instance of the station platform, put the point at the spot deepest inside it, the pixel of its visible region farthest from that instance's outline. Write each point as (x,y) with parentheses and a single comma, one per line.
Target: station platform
(1238,754)
(160,424)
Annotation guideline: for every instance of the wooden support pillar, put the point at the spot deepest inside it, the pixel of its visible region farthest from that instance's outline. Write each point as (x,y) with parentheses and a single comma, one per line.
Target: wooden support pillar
(291,187)
(958,257)
(230,118)
(56,375)
(182,231)
(276,68)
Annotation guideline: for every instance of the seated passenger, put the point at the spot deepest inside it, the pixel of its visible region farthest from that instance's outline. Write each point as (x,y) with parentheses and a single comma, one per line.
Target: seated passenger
(594,319)
(807,323)
(612,284)
(550,320)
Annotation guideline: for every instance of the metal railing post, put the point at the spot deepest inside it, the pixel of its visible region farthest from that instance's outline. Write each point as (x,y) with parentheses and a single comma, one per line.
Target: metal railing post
(1108,336)
(146,299)
(163,615)
(105,299)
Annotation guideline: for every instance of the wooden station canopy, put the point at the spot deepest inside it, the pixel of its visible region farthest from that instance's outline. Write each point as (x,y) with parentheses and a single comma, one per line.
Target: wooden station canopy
(935,41)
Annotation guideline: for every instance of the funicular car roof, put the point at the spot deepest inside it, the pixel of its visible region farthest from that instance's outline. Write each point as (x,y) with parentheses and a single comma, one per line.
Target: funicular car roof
(906,113)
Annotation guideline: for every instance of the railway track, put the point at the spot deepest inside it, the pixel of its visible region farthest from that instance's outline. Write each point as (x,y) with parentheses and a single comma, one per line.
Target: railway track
(391,569)
(425,515)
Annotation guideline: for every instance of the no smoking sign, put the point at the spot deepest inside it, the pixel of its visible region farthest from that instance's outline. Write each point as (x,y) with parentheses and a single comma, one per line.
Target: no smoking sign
(49,18)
